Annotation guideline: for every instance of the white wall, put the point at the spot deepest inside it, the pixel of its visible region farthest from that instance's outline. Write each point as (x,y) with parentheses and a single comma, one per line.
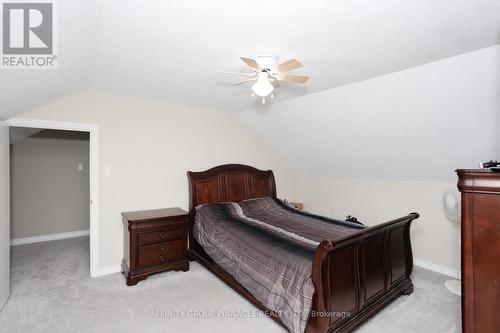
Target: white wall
(434,238)
(150,146)
(412,128)
(4,215)
(49,195)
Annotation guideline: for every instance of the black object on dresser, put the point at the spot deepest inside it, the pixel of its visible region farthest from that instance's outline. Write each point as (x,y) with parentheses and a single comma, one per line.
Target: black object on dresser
(154,241)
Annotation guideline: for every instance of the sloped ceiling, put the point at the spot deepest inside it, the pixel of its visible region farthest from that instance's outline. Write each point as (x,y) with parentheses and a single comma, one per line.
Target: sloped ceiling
(23,90)
(170,50)
(417,124)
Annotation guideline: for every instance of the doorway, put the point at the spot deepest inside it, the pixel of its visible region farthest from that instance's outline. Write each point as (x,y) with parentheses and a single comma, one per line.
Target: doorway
(77,130)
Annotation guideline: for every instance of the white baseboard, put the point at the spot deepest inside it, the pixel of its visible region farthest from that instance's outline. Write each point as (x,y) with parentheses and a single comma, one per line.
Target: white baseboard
(108,270)
(46,238)
(437,268)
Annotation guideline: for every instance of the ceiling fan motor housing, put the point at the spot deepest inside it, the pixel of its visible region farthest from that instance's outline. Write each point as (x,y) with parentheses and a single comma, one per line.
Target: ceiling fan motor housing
(266,61)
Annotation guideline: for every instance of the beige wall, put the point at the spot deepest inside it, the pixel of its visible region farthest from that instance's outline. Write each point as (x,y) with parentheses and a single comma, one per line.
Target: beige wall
(49,195)
(150,146)
(434,238)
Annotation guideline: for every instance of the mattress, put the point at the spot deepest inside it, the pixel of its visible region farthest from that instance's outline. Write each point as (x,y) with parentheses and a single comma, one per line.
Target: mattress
(268,248)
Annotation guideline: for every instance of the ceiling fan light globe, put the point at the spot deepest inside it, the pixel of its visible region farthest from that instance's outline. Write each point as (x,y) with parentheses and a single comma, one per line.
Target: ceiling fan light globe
(263,87)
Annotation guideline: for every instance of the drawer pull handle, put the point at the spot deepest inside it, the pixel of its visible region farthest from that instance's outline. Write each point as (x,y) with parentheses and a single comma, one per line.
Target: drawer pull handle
(162,259)
(162,247)
(162,236)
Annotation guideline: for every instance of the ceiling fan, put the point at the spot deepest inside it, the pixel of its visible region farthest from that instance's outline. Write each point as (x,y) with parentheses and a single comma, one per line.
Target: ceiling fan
(267,73)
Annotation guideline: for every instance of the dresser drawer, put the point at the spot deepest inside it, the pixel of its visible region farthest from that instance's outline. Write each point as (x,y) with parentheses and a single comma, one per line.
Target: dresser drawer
(161,253)
(161,235)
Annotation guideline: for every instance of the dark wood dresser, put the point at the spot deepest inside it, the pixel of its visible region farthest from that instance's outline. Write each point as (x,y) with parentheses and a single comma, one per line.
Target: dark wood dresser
(480,250)
(154,241)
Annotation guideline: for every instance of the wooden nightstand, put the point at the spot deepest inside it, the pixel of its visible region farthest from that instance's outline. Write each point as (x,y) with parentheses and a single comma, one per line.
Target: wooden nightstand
(154,241)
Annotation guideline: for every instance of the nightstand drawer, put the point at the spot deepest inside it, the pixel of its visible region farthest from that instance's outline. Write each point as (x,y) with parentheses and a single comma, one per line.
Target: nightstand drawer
(155,241)
(161,253)
(161,236)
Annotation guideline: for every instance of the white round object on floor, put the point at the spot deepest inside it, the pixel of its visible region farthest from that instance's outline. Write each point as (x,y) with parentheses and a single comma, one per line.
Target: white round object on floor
(455,286)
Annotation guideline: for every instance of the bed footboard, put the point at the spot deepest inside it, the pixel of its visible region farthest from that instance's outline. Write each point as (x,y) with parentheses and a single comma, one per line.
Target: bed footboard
(357,275)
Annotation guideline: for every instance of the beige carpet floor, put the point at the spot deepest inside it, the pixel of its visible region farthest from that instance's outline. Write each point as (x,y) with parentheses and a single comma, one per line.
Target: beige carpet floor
(52,292)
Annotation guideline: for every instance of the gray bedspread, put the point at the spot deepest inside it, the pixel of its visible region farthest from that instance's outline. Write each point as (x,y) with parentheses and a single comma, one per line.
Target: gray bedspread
(268,248)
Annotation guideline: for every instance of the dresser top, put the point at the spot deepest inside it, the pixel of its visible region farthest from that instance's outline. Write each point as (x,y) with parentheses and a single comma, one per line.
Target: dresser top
(153,214)
(478,181)
(478,171)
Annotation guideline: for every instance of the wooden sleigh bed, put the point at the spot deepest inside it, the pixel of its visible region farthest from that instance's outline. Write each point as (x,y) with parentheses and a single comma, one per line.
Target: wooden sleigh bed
(358,274)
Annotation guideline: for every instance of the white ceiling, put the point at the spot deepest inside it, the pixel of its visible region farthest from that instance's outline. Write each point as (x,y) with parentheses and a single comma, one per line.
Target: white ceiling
(170,50)
(418,124)
(23,90)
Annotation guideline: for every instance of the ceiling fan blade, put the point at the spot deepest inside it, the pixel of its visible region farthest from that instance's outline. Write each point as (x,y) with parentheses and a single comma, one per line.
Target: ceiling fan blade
(245,81)
(289,65)
(295,78)
(251,63)
(236,73)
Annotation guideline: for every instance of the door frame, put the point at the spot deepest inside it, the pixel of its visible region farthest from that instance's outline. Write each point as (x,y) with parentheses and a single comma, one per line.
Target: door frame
(93,131)
(5,214)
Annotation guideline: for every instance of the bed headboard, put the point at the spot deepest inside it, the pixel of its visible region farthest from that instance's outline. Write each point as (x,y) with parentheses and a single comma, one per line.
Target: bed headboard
(229,182)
